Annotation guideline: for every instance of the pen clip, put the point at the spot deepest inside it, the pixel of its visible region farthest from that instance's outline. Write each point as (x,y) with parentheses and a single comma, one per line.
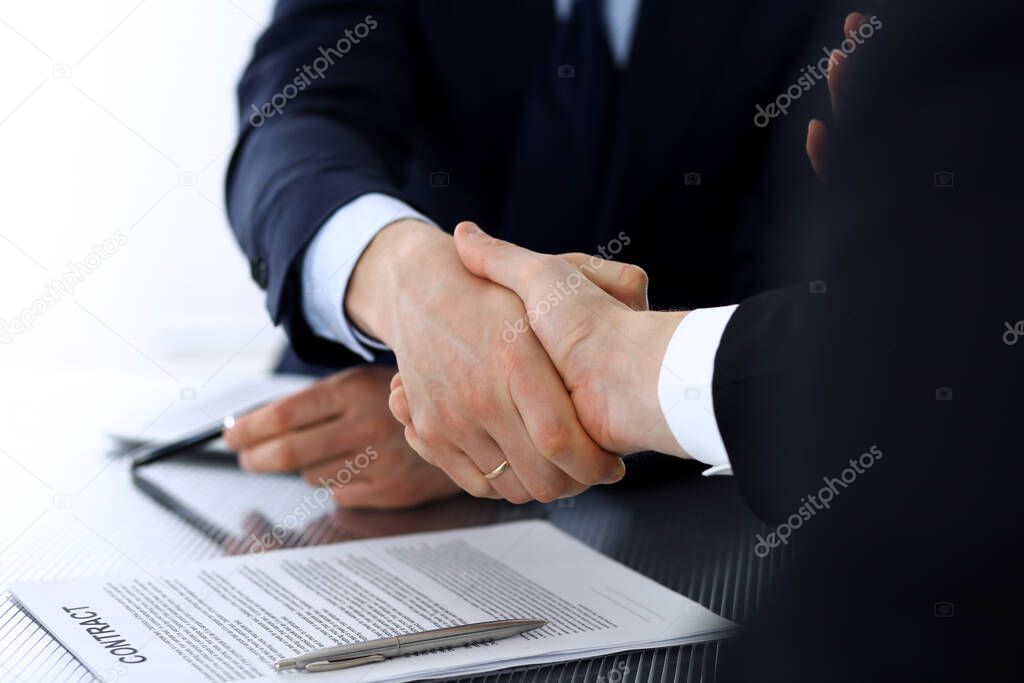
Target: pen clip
(329,665)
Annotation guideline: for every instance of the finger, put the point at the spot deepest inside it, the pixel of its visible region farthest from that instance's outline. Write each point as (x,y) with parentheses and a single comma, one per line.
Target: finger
(624,281)
(457,466)
(486,456)
(302,448)
(359,496)
(838,67)
(314,404)
(525,272)
(398,403)
(817,146)
(367,496)
(527,447)
(417,444)
(836,70)
(338,472)
(338,479)
(550,418)
(852,23)
(543,480)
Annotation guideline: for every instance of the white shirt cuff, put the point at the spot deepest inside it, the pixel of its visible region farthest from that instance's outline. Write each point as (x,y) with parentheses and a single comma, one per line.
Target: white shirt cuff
(331,258)
(684,386)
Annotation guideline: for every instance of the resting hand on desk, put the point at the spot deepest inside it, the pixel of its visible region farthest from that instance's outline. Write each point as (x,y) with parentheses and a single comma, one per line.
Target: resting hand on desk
(323,430)
(608,354)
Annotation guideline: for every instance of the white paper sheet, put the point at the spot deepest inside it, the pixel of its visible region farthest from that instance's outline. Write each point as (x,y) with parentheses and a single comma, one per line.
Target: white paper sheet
(229,619)
(151,419)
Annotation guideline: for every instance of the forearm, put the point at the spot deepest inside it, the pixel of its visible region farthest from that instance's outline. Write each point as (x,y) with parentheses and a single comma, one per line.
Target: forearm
(294,166)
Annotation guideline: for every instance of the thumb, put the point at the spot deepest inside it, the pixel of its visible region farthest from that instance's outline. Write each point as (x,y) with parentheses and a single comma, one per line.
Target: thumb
(523,271)
(556,295)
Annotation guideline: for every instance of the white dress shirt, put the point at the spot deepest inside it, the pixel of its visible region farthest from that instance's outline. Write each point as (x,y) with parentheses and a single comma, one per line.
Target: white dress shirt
(685,386)
(689,362)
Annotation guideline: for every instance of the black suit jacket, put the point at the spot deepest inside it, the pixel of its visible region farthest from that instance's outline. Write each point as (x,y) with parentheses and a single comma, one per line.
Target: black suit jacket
(895,345)
(438,87)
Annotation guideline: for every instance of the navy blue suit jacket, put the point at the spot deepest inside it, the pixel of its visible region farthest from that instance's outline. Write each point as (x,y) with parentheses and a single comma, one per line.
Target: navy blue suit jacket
(438,87)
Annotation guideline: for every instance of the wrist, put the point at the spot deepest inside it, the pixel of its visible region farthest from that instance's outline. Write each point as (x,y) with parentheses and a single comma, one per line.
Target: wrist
(654,330)
(371,298)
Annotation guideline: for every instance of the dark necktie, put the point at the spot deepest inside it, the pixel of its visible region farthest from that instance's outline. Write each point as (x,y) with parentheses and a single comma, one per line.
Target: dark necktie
(557,180)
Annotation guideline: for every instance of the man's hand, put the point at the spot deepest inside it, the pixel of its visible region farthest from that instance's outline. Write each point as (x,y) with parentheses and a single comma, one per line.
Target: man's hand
(817,132)
(477,394)
(608,354)
(340,435)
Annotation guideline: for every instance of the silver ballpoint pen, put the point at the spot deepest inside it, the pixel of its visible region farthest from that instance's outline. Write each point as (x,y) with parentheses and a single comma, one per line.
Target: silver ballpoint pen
(357,654)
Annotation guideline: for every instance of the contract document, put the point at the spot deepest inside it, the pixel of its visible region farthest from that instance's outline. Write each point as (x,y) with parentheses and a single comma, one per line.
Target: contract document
(230,618)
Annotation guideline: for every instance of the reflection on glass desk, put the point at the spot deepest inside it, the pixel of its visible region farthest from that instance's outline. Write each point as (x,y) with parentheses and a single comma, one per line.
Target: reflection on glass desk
(690,533)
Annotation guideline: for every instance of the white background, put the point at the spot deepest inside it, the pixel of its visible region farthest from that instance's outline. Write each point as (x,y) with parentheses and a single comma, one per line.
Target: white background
(109,112)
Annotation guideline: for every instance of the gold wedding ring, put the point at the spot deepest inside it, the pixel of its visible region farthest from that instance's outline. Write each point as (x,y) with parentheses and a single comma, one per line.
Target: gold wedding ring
(497,471)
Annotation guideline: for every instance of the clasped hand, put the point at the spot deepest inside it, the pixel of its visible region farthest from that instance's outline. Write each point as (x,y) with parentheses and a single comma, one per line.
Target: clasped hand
(585,361)
(477,388)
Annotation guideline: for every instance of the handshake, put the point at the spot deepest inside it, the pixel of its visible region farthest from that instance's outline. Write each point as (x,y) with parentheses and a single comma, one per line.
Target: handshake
(521,376)
(554,378)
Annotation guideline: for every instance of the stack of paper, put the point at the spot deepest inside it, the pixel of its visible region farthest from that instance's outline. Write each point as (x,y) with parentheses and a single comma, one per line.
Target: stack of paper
(229,619)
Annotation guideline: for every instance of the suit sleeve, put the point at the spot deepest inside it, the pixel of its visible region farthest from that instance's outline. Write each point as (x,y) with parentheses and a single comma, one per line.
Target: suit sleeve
(327,114)
(902,279)
(874,417)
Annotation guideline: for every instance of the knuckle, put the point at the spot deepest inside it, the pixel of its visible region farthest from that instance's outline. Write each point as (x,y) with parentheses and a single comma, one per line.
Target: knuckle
(416,445)
(553,440)
(434,458)
(429,430)
(325,395)
(474,396)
